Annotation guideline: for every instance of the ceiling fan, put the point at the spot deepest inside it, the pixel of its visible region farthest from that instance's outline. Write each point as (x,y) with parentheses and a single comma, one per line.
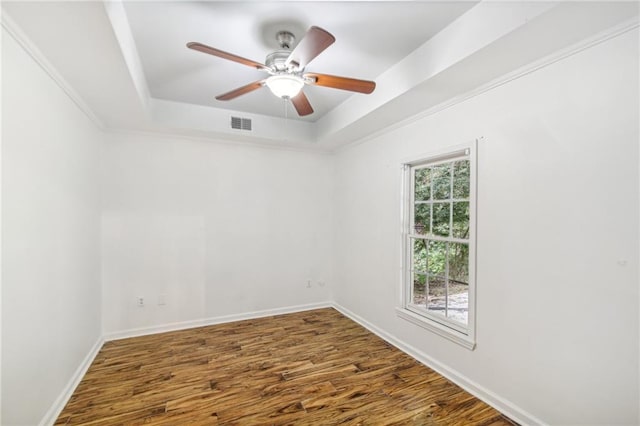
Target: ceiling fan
(287,69)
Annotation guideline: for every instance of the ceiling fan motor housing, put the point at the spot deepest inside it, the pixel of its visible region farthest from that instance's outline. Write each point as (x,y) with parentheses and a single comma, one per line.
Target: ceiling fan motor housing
(276,60)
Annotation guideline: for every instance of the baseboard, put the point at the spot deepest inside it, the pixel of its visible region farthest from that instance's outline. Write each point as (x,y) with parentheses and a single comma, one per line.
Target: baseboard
(212,321)
(503,405)
(56,408)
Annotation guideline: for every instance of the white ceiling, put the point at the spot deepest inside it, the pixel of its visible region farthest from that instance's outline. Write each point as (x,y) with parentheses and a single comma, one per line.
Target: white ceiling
(126,63)
(370,38)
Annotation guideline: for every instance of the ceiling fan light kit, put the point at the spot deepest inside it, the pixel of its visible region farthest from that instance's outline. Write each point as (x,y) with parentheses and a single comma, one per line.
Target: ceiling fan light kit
(286,69)
(285,85)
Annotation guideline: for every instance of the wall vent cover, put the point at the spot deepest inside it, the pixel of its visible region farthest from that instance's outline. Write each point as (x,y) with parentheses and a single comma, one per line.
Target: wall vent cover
(240,123)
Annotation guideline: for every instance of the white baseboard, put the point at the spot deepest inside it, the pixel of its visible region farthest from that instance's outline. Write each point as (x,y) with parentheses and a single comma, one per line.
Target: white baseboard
(56,408)
(212,321)
(501,404)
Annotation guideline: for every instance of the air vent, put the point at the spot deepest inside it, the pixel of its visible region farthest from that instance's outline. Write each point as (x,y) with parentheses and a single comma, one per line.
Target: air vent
(240,123)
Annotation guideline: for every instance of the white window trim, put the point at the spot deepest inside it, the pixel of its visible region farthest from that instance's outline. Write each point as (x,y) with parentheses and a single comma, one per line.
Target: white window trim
(442,327)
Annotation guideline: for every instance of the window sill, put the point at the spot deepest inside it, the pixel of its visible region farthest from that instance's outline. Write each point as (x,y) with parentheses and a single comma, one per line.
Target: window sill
(435,327)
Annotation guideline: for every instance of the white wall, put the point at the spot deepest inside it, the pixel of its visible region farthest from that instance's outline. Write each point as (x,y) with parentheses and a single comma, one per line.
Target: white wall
(50,242)
(219,229)
(557,267)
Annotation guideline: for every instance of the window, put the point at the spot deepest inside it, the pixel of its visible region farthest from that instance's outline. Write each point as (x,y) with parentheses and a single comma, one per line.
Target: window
(439,244)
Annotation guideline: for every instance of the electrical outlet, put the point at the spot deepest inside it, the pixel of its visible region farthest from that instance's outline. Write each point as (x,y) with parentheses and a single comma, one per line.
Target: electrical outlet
(308,283)
(162,299)
(140,302)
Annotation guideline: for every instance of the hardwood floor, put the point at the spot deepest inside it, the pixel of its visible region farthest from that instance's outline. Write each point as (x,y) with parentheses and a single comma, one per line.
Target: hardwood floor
(309,368)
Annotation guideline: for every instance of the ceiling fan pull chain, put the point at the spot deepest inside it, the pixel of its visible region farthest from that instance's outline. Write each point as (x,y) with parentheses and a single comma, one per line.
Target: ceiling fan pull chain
(286,119)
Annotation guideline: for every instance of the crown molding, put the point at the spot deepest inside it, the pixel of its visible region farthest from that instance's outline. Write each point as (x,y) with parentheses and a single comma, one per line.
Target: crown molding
(30,48)
(601,37)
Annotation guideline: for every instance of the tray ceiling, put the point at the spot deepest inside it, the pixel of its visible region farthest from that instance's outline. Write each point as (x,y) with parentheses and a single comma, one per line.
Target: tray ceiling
(127,65)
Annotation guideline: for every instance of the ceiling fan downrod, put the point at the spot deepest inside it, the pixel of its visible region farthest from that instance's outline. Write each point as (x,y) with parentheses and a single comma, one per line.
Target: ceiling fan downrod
(285,39)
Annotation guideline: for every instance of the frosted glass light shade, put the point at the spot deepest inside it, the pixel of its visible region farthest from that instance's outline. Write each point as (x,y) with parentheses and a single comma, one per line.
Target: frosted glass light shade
(285,85)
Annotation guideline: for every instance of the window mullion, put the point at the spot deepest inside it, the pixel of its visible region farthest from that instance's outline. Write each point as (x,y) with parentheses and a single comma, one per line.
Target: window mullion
(412,202)
(451,201)
(446,280)
(446,265)
(426,275)
(430,203)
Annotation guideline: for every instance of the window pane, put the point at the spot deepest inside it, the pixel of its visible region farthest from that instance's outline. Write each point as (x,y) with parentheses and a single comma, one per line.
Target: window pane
(460,220)
(458,308)
(437,258)
(461,173)
(441,213)
(422,218)
(441,176)
(419,284)
(436,300)
(423,184)
(420,255)
(459,262)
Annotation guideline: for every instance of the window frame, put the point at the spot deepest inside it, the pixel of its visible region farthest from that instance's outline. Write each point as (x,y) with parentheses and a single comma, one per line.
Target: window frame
(442,326)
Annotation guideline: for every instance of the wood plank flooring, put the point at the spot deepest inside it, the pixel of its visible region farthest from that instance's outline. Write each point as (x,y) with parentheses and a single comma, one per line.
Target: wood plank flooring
(309,368)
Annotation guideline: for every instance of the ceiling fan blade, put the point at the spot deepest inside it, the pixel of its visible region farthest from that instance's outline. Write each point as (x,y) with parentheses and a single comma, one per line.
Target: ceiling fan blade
(241,91)
(311,45)
(302,105)
(344,83)
(225,55)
